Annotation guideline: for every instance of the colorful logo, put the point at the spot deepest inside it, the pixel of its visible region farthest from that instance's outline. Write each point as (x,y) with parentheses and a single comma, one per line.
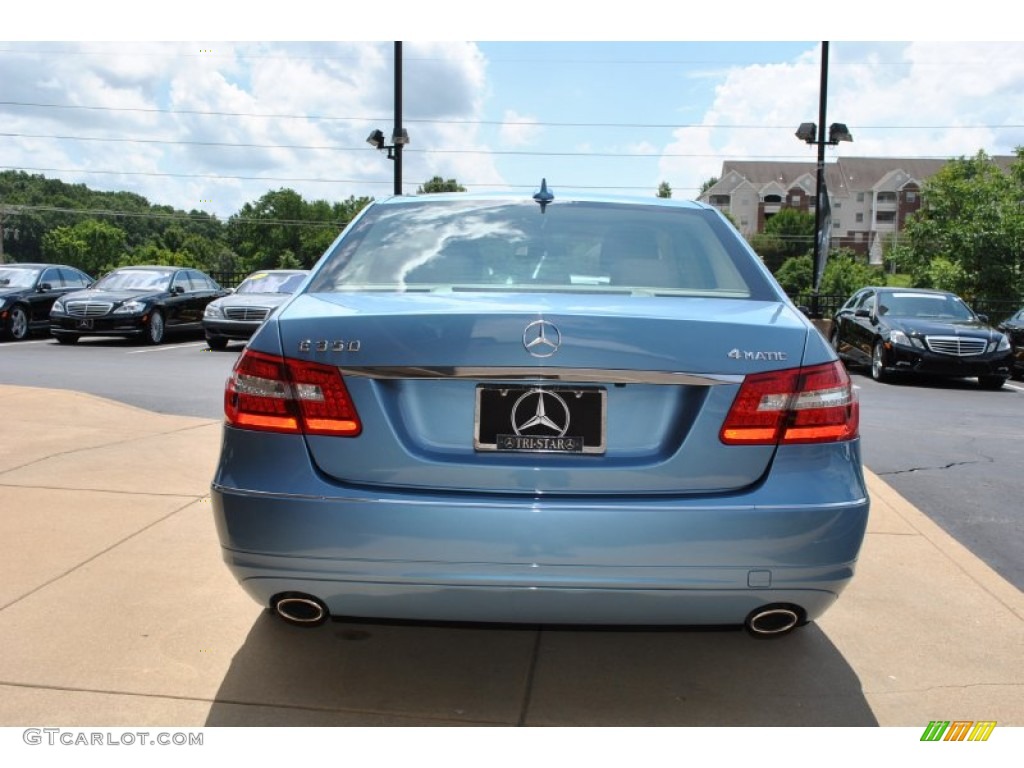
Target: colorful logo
(958,730)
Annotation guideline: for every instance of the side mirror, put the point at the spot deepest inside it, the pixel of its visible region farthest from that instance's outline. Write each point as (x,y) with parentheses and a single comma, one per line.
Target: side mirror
(983,318)
(178,289)
(44,287)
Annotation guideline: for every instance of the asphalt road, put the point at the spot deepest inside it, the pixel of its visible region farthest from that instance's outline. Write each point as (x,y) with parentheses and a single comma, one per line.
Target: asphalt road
(954,450)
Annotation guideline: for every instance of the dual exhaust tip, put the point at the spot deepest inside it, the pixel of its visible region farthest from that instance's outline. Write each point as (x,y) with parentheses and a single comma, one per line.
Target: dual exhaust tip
(768,621)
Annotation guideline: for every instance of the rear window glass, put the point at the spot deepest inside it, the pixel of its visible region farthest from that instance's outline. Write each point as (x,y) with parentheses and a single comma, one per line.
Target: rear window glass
(476,245)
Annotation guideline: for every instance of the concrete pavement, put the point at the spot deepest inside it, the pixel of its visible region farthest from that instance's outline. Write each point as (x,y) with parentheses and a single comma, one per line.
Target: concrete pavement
(116,610)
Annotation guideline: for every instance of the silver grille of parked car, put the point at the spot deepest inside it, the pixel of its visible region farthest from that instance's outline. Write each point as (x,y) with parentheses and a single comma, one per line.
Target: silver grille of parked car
(956,345)
(88,308)
(246,313)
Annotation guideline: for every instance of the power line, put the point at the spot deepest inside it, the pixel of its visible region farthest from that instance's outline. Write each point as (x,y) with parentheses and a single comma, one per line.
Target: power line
(448,121)
(216,177)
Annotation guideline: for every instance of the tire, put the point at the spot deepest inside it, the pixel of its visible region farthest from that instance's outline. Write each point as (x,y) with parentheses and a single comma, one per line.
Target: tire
(878,372)
(66,338)
(991,382)
(156,329)
(218,343)
(19,327)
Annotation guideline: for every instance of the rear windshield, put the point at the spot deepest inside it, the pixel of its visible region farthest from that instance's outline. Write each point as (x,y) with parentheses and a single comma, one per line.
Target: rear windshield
(476,245)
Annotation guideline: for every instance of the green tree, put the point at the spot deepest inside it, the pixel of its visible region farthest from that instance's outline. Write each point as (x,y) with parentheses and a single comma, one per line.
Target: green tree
(91,245)
(708,184)
(971,219)
(787,234)
(437,184)
(845,274)
(664,190)
(796,275)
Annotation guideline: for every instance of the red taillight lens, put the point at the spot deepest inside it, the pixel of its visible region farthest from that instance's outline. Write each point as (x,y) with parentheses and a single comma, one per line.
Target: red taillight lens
(798,405)
(276,394)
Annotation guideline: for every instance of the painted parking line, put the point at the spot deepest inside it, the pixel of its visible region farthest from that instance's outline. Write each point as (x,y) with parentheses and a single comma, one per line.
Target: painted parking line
(1017,387)
(167,348)
(24,343)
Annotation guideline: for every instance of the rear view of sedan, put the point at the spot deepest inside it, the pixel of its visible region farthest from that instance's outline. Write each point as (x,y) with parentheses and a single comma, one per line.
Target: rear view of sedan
(572,410)
(236,317)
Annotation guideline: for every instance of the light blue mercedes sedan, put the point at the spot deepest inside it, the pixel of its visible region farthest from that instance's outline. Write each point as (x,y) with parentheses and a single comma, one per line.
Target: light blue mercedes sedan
(541,409)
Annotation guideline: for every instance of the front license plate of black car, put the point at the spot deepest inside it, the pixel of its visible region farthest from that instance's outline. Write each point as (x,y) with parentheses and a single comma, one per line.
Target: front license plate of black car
(84,324)
(540,419)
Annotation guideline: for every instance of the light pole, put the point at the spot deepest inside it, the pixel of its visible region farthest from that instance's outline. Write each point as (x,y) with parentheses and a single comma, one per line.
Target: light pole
(400,137)
(815,134)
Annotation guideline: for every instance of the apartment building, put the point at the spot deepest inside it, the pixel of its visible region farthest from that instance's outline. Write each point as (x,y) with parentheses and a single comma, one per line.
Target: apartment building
(870,197)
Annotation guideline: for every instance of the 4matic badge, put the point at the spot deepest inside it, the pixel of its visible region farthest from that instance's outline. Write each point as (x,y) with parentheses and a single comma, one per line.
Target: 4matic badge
(748,354)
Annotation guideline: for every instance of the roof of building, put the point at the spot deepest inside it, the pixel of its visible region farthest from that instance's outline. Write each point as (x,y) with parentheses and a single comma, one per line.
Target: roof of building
(841,176)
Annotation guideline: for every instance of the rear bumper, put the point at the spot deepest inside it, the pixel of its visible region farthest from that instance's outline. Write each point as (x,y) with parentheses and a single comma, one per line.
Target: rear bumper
(794,538)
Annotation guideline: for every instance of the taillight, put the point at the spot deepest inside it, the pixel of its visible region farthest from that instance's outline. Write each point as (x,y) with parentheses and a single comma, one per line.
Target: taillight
(797,405)
(277,394)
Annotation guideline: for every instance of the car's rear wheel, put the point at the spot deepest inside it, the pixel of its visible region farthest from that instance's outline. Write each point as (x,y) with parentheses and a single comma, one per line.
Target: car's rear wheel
(155,329)
(19,323)
(991,382)
(878,372)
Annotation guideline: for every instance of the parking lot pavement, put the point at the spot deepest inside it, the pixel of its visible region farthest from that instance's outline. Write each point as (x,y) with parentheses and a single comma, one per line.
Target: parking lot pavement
(116,610)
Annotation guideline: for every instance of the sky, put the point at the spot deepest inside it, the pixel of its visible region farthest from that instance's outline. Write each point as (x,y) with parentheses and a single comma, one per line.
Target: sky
(163,106)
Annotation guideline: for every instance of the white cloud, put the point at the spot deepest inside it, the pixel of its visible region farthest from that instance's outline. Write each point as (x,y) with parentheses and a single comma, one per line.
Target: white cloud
(519,130)
(898,100)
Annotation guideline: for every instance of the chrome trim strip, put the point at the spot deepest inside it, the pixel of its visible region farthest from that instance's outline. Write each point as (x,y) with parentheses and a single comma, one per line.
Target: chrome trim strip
(576,375)
(556,502)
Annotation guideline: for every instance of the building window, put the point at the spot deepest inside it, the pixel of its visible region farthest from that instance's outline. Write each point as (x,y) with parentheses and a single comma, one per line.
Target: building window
(837,204)
(794,199)
(773,198)
(835,225)
(858,237)
(887,197)
(860,197)
(911,196)
(860,218)
(886,216)
(719,199)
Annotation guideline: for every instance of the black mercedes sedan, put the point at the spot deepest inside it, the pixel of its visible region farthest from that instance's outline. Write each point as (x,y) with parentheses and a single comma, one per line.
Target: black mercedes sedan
(144,302)
(914,330)
(1014,328)
(27,291)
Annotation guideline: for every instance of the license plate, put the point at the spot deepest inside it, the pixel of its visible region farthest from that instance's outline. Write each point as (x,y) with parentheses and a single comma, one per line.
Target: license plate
(528,419)
(84,325)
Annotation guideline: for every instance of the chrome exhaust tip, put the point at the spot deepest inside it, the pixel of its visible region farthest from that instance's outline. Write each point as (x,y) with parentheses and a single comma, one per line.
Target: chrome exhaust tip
(301,610)
(773,620)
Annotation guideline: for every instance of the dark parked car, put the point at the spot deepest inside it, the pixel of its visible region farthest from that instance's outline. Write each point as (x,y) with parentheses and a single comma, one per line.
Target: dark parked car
(564,409)
(146,302)
(27,291)
(236,317)
(913,330)
(1013,327)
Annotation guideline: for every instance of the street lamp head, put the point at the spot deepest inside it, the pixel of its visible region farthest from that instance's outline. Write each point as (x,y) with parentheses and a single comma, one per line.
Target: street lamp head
(839,132)
(400,138)
(807,132)
(376,139)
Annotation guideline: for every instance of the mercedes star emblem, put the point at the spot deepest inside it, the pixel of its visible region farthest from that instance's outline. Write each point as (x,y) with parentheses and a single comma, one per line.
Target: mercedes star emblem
(541,338)
(540,409)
